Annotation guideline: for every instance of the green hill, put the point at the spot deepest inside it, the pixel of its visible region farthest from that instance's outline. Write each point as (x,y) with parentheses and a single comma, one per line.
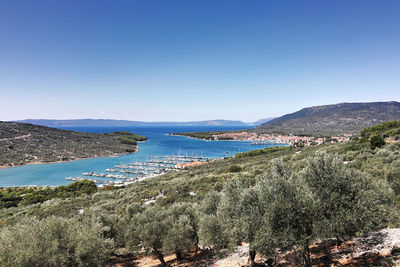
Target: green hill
(343,118)
(22,143)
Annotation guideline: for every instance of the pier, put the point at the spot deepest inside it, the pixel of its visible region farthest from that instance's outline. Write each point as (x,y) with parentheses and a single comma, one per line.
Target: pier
(124,174)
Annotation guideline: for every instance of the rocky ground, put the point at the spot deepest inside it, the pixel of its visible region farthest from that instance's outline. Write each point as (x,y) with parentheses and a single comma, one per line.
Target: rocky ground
(376,249)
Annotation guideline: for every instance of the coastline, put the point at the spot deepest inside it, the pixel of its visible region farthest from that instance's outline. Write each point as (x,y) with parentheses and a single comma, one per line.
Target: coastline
(2,167)
(208,140)
(198,138)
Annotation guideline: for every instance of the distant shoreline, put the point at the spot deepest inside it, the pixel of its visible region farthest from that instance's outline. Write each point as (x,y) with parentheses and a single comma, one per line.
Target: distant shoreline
(204,139)
(2,167)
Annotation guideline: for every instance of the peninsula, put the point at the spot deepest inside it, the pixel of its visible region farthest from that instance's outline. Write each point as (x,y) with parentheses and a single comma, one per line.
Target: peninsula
(312,125)
(22,143)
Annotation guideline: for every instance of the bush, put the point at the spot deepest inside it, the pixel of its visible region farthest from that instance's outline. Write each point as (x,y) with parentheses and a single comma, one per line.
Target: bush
(377,141)
(54,241)
(233,168)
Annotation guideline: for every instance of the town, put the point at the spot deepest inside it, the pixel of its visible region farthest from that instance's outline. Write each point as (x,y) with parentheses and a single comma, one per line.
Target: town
(295,140)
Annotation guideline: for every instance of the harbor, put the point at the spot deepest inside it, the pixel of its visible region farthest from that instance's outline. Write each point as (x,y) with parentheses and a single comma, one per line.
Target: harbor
(125,174)
(159,144)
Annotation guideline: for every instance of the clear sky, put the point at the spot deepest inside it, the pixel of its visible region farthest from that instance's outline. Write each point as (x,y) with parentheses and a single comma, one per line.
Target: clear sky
(194,60)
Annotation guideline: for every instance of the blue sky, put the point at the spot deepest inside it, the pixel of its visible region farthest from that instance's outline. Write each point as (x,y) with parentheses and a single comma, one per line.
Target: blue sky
(194,60)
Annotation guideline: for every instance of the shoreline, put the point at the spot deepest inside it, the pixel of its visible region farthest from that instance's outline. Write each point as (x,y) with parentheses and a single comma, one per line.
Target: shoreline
(2,167)
(221,140)
(200,138)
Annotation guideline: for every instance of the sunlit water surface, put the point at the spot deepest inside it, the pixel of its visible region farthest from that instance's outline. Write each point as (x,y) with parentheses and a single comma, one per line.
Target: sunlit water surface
(159,143)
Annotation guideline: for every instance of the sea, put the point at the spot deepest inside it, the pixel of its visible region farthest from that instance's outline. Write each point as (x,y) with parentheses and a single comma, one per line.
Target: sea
(159,143)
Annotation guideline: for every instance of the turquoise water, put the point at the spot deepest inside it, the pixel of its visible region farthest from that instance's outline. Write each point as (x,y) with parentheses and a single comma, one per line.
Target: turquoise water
(159,143)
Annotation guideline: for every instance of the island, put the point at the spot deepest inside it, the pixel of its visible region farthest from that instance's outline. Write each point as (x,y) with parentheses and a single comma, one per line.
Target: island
(23,143)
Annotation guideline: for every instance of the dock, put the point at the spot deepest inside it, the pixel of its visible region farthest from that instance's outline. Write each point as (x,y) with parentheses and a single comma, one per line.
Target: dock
(124,174)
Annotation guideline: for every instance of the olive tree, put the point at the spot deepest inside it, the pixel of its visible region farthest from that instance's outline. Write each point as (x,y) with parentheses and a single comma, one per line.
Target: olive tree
(348,201)
(127,235)
(241,211)
(151,228)
(210,227)
(54,241)
(182,234)
(289,212)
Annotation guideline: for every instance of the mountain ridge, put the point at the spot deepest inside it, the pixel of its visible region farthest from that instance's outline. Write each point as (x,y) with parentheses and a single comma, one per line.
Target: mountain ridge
(341,118)
(126,123)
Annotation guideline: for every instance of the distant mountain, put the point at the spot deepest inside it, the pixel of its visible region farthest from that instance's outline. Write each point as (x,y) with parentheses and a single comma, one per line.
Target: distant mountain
(334,119)
(262,121)
(126,123)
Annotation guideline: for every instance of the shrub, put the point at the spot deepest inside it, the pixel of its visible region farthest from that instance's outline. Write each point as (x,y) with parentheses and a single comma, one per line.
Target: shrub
(348,201)
(377,141)
(54,241)
(233,168)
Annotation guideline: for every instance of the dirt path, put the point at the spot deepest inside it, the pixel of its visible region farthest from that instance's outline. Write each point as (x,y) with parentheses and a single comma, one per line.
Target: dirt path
(380,248)
(17,137)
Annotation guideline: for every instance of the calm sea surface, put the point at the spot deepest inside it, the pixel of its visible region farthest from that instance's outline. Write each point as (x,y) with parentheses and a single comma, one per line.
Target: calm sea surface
(159,143)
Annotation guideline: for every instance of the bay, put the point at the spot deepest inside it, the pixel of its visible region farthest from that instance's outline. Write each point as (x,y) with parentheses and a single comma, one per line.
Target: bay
(159,143)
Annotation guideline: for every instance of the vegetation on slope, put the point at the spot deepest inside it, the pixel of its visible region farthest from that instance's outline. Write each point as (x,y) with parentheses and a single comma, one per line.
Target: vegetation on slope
(210,206)
(13,196)
(343,118)
(22,143)
(204,135)
(390,129)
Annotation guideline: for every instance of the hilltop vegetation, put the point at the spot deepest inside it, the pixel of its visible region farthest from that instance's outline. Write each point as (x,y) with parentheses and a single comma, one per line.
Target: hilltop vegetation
(283,198)
(22,143)
(320,121)
(343,118)
(14,196)
(390,129)
(203,135)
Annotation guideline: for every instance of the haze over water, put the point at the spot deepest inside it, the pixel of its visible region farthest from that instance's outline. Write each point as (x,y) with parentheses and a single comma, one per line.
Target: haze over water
(159,143)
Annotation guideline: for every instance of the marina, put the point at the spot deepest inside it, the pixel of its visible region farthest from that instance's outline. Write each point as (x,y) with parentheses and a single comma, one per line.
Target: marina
(124,174)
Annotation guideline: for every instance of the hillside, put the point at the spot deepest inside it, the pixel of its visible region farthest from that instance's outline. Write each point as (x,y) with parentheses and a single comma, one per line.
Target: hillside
(343,118)
(127,123)
(262,121)
(170,215)
(22,143)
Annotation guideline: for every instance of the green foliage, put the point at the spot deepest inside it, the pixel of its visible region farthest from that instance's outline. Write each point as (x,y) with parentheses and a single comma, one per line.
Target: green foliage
(163,230)
(393,176)
(131,139)
(12,196)
(54,241)
(241,211)
(348,202)
(353,146)
(302,196)
(182,234)
(377,141)
(389,128)
(151,228)
(269,150)
(233,168)
(289,211)
(204,135)
(291,208)
(127,138)
(211,228)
